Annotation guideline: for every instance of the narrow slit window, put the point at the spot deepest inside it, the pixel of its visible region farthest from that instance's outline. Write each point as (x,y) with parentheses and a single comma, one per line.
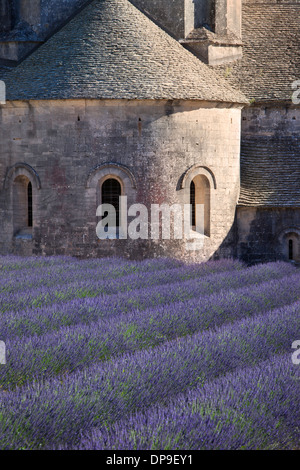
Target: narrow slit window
(193,203)
(291,250)
(29,200)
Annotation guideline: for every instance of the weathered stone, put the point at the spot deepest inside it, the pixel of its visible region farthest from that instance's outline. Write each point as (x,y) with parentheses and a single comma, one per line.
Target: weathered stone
(112,95)
(157,147)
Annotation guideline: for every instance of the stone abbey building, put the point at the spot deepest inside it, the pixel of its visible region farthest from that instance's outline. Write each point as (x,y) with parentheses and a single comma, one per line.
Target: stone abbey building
(161,101)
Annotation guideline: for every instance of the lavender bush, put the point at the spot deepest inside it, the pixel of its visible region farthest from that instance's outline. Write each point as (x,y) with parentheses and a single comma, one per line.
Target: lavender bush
(80,345)
(252,408)
(92,284)
(101,354)
(86,310)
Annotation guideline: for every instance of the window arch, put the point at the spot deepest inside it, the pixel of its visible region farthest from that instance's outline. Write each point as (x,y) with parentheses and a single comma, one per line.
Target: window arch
(114,170)
(200,196)
(21,169)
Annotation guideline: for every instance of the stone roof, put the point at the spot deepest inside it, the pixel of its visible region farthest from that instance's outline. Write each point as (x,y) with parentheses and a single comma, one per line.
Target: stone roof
(4,69)
(271,52)
(111,50)
(270,172)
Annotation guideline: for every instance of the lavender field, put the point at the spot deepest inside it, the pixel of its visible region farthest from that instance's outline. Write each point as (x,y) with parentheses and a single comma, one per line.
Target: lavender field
(158,355)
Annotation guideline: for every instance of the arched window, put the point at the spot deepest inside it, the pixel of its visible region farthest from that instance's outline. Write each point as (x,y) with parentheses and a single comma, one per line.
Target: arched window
(105,184)
(289,244)
(110,193)
(200,195)
(22,205)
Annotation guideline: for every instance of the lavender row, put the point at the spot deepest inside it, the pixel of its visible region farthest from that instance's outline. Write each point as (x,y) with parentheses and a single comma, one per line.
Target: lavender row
(11,262)
(88,310)
(55,410)
(77,346)
(68,272)
(42,296)
(11,266)
(255,408)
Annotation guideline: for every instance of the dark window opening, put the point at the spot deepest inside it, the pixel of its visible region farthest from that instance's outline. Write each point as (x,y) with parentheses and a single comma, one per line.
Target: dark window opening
(22,207)
(291,250)
(29,199)
(111,192)
(193,202)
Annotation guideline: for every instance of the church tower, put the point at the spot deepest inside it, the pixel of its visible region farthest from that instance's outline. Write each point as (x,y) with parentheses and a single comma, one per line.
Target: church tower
(211,29)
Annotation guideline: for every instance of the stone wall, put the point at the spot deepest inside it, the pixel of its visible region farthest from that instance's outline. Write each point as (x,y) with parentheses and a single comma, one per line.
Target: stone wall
(264,234)
(270,212)
(25,24)
(271,119)
(169,14)
(180,17)
(62,148)
(55,12)
(44,16)
(5,16)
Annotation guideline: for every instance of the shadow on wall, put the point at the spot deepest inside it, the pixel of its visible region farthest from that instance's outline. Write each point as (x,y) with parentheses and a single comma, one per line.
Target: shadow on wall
(272,235)
(228,248)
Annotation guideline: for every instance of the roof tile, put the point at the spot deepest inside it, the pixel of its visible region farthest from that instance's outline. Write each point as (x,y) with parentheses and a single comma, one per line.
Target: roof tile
(271,52)
(111,50)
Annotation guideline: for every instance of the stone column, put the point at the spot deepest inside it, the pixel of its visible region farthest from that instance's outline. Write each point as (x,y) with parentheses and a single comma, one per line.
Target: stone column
(30,11)
(228,17)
